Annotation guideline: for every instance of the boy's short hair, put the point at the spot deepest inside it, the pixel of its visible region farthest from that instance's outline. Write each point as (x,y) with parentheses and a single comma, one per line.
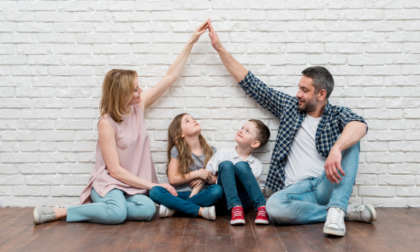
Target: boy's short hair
(263,132)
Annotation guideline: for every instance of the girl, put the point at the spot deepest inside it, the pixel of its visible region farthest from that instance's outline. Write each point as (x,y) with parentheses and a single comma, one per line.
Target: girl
(188,154)
(124,171)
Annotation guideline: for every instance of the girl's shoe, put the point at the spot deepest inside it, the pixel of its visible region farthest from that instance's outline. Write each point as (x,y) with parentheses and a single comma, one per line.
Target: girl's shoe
(165,212)
(237,216)
(43,214)
(209,213)
(262,217)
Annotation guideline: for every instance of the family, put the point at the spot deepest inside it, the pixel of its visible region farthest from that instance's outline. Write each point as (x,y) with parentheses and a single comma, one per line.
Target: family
(313,166)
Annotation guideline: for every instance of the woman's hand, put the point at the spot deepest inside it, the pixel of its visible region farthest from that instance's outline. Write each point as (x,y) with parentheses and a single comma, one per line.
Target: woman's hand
(168,187)
(196,182)
(199,31)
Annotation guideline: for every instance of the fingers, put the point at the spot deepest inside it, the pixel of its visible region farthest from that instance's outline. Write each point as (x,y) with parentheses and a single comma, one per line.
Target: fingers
(340,169)
(210,26)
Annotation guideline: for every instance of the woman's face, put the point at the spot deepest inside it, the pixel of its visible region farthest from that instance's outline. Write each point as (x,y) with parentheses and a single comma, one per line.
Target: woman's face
(189,126)
(136,98)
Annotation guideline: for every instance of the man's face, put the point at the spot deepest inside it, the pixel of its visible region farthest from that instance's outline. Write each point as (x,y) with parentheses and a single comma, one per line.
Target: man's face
(306,95)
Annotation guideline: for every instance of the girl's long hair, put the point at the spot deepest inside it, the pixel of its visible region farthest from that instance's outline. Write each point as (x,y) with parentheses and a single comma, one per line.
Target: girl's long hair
(117,91)
(184,150)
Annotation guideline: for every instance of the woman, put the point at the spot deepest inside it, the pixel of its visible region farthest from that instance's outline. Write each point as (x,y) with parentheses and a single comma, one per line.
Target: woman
(124,171)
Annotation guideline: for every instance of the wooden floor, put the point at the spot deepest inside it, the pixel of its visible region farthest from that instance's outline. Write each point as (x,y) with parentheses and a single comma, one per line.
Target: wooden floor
(397,229)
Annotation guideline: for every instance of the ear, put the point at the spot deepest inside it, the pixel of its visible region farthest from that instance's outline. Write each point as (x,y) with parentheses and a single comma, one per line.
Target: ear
(322,94)
(182,135)
(255,144)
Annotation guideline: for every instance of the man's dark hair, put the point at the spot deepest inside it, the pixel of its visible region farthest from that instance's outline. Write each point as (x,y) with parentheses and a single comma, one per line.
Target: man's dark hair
(321,78)
(263,132)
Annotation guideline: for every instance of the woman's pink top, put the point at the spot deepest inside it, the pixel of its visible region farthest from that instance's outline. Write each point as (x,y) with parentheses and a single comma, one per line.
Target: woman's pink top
(133,148)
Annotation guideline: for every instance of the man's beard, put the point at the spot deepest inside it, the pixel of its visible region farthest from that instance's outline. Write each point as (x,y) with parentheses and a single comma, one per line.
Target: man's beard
(309,106)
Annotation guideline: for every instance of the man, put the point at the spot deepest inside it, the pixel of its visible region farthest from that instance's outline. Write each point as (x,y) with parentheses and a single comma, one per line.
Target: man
(315,159)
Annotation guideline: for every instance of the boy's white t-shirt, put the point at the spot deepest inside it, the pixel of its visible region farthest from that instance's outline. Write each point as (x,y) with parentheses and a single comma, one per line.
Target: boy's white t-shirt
(232,156)
(303,160)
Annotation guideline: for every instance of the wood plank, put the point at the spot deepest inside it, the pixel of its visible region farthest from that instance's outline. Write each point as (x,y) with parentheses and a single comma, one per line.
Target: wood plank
(195,233)
(366,238)
(73,233)
(315,238)
(122,237)
(171,232)
(412,212)
(95,238)
(291,238)
(218,235)
(16,224)
(146,236)
(266,236)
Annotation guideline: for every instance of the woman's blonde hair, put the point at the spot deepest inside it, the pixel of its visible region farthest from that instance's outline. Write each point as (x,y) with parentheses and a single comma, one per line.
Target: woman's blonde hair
(184,151)
(117,91)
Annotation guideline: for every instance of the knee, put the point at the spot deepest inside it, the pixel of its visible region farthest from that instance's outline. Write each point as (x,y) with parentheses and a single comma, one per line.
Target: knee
(149,209)
(117,214)
(242,167)
(225,165)
(277,210)
(156,192)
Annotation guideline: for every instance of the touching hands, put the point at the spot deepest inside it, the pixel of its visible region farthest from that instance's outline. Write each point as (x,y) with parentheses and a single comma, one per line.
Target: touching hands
(333,164)
(205,174)
(215,41)
(199,31)
(170,188)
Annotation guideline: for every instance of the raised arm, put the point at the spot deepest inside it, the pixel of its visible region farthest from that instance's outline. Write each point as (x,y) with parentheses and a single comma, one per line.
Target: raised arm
(267,97)
(150,96)
(110,154)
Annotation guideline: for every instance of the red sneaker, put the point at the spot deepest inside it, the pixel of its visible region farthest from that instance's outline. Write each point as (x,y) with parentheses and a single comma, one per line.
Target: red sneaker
(262,217)
(237,216)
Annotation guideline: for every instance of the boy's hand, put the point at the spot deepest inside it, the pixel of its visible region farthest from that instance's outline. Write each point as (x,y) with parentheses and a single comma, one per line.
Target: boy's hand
(215,41)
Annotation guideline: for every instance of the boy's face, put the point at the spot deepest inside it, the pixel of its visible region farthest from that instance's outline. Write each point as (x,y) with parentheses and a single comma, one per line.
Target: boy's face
(247,135)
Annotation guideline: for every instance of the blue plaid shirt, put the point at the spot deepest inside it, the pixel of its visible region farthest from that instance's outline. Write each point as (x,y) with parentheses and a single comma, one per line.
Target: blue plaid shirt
(285,108)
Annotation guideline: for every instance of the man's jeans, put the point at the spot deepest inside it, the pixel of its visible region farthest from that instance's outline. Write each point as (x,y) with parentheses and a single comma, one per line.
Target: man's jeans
(308,201)
(183,203)
(239,186)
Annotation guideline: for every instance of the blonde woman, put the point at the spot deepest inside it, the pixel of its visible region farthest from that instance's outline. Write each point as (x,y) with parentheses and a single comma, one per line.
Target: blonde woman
(124,172)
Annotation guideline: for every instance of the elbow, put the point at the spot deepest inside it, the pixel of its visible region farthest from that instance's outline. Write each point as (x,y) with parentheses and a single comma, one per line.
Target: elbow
(114,172)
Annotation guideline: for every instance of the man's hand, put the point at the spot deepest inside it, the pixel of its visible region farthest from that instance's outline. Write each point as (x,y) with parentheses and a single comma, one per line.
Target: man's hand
(196,182)
(170,188)
(333,164)
(215,41)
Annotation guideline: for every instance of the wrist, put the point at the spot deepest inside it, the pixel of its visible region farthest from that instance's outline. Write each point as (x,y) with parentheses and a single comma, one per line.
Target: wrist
(336,147)
(220,49)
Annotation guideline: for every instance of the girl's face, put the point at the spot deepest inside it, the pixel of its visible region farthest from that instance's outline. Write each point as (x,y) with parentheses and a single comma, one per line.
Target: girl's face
(136,98)
(189,126)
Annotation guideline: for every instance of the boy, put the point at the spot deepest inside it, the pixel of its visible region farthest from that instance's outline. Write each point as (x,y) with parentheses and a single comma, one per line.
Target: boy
(240,173)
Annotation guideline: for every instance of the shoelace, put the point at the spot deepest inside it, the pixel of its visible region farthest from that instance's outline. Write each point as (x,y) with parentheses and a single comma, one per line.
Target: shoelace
(261,213)
(47,215)
(335,217)
(356,214)
(237,213)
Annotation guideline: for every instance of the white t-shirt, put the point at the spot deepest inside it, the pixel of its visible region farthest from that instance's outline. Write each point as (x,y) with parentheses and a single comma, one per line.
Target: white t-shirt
(303,160)
(231,155)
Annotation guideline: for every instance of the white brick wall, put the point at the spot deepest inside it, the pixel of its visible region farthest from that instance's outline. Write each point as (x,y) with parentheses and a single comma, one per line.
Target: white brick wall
(54,55)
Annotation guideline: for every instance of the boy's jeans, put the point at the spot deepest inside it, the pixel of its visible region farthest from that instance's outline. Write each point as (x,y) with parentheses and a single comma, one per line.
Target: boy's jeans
(239,185)
(308,201)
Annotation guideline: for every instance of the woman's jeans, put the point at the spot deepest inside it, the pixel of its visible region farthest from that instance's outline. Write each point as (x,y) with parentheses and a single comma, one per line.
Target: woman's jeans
(114,208)
(183,203)
(308,201)
(239,185)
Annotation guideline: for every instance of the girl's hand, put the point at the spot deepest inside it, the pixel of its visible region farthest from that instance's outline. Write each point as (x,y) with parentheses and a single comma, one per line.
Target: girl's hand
(204,174)
(199,31)
(196,182)
(170,188)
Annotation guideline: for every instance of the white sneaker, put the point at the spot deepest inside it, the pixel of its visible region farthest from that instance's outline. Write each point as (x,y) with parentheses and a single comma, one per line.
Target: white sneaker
(209,213)
(364,213)
(165,212)
(335,222)
(43,214)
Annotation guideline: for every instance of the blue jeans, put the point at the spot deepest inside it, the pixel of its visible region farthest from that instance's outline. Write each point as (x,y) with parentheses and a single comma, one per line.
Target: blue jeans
(308,201)
(114,208)
(183,203)
(239,186)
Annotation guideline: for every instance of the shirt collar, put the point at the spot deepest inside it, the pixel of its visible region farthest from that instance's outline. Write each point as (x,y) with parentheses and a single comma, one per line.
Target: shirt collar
(250,158)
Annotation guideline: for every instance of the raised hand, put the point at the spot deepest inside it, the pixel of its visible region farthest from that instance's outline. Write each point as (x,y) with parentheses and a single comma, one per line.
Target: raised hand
(199,31)
(215,41)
